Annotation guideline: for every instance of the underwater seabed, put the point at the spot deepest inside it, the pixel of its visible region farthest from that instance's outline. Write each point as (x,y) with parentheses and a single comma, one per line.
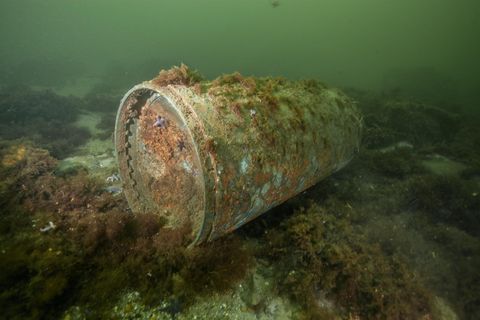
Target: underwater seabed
(394,235)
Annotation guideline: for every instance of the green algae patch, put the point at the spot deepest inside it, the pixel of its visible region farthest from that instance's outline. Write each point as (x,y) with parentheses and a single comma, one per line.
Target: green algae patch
(324,259)
(448,199)
(67,242)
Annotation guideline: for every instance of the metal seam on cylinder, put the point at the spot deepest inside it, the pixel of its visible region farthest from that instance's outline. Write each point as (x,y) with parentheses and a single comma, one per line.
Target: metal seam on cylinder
(209,210)
(206,224)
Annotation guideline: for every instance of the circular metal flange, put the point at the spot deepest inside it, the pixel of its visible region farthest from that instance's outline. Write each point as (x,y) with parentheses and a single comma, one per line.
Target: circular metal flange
(159,162)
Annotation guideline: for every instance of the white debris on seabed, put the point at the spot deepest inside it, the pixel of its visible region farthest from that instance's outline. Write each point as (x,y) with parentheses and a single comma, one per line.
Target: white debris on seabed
(130,306)
(48,227)
(98,166)
(113,178)
(396,146)
(114,190)
(441,165)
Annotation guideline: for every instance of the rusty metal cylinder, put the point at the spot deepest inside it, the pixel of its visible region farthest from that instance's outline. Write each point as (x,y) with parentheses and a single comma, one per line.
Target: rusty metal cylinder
(209,156)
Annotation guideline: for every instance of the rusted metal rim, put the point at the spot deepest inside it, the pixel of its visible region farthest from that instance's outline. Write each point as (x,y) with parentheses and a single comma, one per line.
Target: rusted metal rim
(159,161)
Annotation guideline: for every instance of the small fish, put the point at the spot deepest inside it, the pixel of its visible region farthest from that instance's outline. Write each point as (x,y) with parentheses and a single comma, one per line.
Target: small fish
(274,3)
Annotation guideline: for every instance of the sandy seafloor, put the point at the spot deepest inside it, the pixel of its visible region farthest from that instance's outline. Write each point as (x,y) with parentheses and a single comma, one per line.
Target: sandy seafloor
(394,235)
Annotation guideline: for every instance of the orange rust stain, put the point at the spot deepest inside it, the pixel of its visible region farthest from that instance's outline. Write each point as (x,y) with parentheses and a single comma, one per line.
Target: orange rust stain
(160,141)
(262,177)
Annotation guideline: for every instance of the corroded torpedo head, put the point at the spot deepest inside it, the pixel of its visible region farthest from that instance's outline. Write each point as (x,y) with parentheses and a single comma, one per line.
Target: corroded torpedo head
(161,122)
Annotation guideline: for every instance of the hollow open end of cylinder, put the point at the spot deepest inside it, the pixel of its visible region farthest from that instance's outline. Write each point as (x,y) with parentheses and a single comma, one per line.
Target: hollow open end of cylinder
(159,162)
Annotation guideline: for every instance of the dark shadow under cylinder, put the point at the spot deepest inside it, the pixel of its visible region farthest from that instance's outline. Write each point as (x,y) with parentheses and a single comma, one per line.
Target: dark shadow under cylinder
(209,156)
